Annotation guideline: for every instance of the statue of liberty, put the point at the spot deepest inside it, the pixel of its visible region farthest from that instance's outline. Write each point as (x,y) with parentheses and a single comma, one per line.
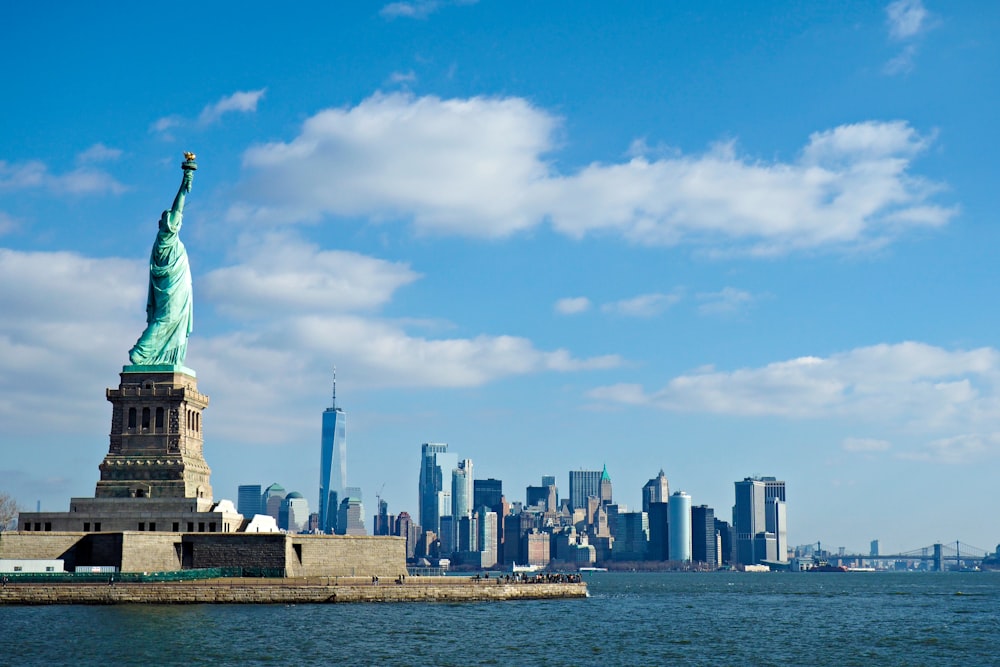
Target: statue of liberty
(170,304)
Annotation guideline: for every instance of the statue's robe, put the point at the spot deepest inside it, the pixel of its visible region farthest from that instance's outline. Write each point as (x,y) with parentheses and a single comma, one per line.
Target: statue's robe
(170,305)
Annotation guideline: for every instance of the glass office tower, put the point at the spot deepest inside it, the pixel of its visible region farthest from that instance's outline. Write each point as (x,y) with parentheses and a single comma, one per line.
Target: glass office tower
(333,463)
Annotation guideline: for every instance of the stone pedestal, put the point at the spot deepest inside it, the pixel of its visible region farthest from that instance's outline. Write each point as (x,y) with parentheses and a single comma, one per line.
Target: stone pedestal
(156,439)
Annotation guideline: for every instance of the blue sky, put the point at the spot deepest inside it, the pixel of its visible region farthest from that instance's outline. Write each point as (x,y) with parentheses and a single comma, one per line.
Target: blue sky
(697,236)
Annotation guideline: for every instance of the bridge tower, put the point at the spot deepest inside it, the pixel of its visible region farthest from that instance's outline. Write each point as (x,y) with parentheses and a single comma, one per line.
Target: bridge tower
(938,558)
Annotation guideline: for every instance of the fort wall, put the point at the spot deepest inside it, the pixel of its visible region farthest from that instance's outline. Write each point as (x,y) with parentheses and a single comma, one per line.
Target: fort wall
(298,555)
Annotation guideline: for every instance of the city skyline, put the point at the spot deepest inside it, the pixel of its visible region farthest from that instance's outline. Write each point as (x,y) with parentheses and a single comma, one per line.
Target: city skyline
(709,239)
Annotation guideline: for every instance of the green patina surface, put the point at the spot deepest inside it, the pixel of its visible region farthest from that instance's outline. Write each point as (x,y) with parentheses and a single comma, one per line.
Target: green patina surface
(170,301)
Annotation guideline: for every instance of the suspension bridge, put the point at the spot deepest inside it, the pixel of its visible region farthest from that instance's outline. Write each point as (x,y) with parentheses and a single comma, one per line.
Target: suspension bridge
(939,555)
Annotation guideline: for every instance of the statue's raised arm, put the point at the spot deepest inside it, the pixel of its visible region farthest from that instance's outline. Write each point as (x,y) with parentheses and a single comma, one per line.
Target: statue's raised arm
(182,192)
(170,304)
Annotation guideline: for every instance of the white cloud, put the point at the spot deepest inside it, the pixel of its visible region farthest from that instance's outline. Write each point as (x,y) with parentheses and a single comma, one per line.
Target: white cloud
(242,101)
(644,305)
(464,166)
(572,305)
(963,448)
(280,274)
(909,383)
(403,77)
(478,167)
(902,62)
(64,286)
(264,374)
(83,180)
(868,142)
(99,153)
(418,9)
(30,174)
(162,125)
(391,357)
(69,321)
(906,18)
(907,21)
(727,301)
(865,445)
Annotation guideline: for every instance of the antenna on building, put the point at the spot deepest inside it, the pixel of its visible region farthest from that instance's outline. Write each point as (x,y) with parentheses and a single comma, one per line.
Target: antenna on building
(334,406)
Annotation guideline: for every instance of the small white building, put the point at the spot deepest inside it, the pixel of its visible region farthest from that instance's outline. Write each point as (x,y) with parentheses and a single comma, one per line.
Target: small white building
(11,565)
(262,523)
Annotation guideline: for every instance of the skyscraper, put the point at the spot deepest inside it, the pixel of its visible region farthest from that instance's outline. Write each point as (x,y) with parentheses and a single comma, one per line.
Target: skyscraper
(271,500)
(659,540)
(679,528)
(293,514)
(633,540)
(427,501)
(249,501)
(351,519)
(656,490)
(447,536)
(486,492)
(776,519)
(436,465)
(704,543)
(381,524)
(583,484)
(543,496)
(605,487)
(467,533)
(725,533)
(550,480)
(405,528)
(486,537)
(758,520)
(333,462)
(748,518)
(776,523)
(461,489)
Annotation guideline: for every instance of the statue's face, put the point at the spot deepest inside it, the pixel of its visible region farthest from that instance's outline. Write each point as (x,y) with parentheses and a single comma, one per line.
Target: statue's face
(163,219)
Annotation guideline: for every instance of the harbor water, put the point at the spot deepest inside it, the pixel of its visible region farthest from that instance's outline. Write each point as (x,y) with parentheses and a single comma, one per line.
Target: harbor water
(629,619)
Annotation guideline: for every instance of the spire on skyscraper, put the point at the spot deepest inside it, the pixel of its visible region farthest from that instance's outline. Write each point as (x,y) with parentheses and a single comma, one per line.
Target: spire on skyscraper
(334,404)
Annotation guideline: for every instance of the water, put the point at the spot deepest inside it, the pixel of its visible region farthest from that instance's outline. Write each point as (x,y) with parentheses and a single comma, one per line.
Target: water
(630,619)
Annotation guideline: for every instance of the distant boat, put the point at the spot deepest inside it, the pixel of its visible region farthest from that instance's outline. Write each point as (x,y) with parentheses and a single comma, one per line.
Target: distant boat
(525,568)
(592,569)
(823,566)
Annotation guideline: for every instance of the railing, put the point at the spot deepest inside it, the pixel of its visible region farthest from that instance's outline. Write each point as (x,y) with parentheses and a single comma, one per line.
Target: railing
(426,571)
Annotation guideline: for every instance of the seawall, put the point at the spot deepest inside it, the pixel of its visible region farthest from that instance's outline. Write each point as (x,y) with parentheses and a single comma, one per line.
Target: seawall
(304,590)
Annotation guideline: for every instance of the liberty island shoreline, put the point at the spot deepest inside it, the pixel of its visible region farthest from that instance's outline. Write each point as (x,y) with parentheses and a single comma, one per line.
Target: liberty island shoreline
(290,590)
